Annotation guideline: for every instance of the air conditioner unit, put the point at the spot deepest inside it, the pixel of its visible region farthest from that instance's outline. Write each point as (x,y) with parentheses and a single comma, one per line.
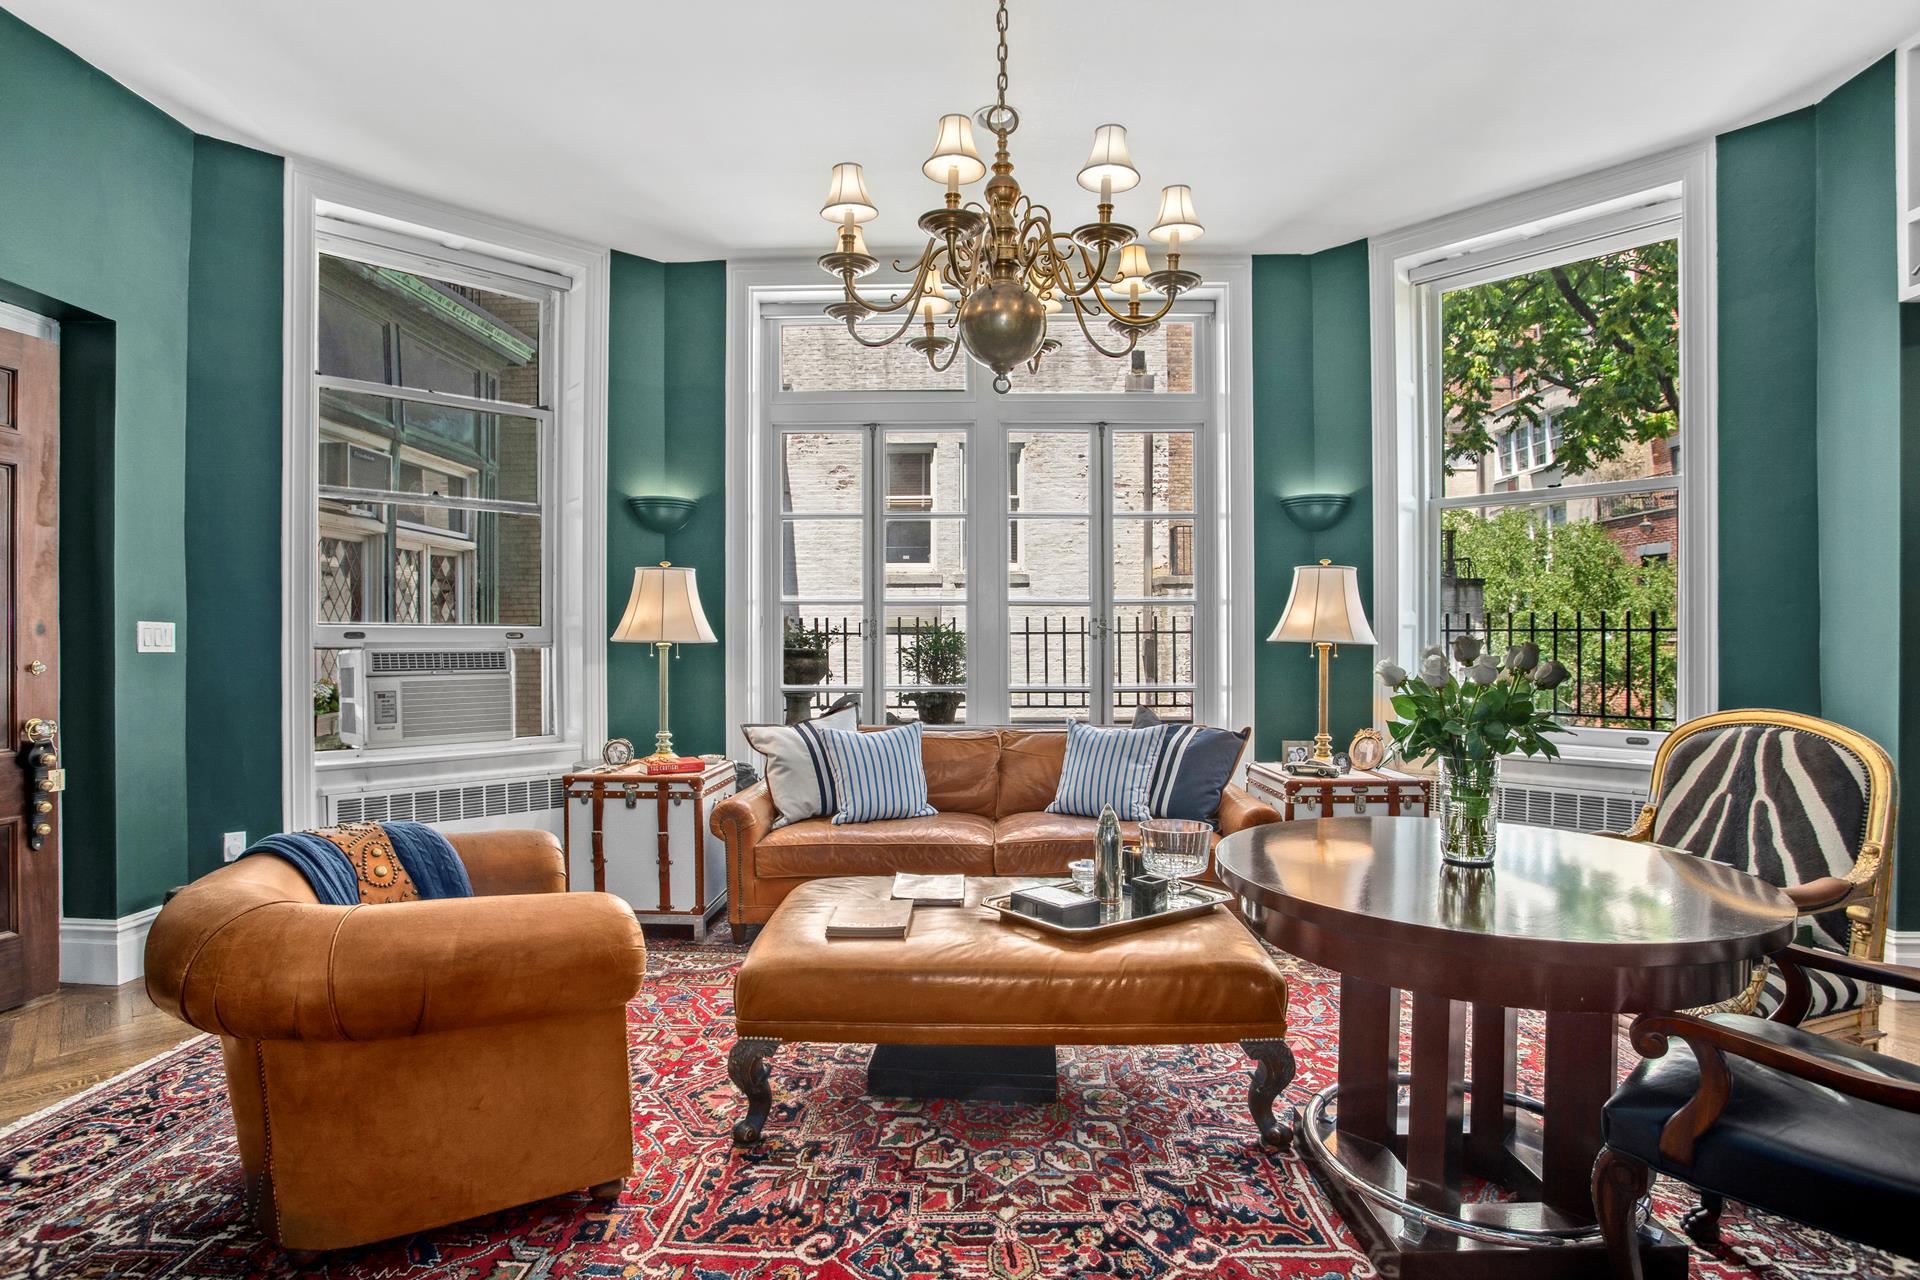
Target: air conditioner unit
(425,697)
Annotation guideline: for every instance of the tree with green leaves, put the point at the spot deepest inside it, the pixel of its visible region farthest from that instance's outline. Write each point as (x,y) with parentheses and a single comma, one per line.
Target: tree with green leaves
(1536,571)
(1595,343)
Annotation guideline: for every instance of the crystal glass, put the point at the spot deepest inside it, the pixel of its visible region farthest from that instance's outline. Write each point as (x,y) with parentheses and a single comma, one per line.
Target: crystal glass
(1082,871)
(1176,848)
(1466,802)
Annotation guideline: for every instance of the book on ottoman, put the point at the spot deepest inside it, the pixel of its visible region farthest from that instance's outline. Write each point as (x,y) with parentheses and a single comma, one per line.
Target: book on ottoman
(886,919)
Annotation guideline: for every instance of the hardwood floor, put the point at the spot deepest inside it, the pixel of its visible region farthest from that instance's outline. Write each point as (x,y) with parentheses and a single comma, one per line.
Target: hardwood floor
(79,1036)
(74,1038)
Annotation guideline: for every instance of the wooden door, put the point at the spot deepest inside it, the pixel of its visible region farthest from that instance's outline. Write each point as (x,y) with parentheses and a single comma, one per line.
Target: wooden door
(29,683)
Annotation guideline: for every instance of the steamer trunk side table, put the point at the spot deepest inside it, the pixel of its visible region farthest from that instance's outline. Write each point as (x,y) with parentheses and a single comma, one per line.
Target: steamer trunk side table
(646,839)
(1356,793)
(1582,927)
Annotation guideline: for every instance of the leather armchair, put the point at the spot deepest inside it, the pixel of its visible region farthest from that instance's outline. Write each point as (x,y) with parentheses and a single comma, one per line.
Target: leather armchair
(402,1066)
(1767,1113)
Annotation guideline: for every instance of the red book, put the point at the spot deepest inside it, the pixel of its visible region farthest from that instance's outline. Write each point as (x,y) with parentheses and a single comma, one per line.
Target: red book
(683,764)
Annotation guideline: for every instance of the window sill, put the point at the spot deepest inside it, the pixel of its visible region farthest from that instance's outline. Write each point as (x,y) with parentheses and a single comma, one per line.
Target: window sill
(396,759)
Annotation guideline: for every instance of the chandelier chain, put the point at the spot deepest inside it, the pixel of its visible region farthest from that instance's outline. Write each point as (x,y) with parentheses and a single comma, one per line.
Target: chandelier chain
(1000,51)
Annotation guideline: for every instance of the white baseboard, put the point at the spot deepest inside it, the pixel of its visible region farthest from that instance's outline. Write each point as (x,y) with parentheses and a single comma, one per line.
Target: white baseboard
(105,953)
(1903,947)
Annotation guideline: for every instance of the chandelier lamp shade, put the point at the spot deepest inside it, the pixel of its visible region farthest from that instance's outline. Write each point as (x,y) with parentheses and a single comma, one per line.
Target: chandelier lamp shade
(995,270)
(664,611)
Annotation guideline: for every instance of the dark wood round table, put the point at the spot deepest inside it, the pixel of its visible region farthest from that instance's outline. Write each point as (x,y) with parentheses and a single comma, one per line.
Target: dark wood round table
(1583,927)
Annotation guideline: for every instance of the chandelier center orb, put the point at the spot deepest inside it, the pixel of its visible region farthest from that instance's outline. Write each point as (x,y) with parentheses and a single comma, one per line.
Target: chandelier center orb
(1003,324)
(1001,257)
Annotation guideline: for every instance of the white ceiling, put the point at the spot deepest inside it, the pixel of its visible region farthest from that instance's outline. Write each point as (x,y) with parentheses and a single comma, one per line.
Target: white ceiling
(706,128)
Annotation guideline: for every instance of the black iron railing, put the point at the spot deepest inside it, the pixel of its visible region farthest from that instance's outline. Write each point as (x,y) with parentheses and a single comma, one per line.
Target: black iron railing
(1047,655)
(1623,664)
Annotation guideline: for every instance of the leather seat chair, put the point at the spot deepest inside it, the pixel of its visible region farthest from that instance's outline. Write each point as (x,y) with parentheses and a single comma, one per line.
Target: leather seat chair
(401,1066)
(1764,1112)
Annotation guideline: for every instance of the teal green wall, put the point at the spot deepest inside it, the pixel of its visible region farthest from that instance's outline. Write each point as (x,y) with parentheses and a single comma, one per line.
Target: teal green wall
(1858,388)
(666,433)
(233,497)
(1313,433)
(1769,452)
(98,199)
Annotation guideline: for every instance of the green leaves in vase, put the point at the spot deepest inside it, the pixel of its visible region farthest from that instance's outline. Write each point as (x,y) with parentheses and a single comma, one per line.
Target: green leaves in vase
(1473,707)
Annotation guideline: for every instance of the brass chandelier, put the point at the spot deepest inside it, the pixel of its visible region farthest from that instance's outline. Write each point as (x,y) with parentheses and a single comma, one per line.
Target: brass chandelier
(1002,257)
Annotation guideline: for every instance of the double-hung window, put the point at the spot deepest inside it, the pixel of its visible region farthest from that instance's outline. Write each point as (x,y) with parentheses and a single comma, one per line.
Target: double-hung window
(1557,366)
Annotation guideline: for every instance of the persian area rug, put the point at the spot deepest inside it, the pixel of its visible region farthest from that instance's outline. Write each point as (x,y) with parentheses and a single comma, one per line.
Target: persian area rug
(1147,1166)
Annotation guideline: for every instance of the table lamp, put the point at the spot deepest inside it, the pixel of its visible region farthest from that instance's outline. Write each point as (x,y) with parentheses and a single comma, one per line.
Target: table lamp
(1323,610)
(664,612)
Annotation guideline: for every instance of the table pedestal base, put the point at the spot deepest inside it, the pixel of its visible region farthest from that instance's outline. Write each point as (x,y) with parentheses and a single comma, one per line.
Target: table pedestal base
(1428,1244)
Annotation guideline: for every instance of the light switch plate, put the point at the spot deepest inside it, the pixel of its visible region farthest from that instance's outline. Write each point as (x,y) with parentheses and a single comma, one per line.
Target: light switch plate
(153,637)
(233,844)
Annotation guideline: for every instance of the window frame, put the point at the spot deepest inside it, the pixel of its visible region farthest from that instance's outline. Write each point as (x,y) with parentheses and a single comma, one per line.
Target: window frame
(1219,409)
(330,212)
(1585,217)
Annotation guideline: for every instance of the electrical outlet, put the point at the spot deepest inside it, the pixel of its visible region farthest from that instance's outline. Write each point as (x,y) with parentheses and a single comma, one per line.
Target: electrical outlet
(153,637)
(233,844)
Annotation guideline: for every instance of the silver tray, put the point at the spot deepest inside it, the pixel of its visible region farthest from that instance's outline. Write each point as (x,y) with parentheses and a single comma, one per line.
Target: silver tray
(1197,901)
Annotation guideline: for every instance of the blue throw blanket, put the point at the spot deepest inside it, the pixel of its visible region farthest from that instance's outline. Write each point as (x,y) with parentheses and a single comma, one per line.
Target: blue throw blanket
(424,853)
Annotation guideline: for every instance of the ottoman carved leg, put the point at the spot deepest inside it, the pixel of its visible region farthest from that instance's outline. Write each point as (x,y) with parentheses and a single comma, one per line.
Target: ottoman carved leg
(1272,1073)
(747,1068)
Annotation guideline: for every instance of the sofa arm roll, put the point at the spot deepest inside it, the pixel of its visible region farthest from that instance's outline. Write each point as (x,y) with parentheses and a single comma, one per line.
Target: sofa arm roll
(515,861)
(744,817)
(301,971)
(1239,811)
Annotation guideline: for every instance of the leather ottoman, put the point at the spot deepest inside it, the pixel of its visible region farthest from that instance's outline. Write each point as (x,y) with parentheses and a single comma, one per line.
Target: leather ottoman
(962,976)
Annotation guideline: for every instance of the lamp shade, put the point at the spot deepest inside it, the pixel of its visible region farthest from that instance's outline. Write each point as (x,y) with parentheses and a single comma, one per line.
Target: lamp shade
(1177,217)
(932,301)
(1109,162)
(664,609)
(953,152)
(1133,263)
(847,196)
(1324,607)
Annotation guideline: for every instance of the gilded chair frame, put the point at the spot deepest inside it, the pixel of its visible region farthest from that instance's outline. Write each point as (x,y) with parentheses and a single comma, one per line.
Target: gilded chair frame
(1865,890)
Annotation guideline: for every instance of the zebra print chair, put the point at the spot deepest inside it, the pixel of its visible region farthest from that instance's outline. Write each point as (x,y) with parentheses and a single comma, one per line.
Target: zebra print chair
(1804,804)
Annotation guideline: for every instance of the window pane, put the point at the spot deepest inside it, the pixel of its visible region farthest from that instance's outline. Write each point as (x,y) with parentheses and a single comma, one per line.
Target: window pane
(822,559)
(375,567)
(927,557)
(825,357)
(1053,564)
(924,649)
(1153,558)
(1153,653)
(1055,469)
(1153,471)
(1593,582)
(820,471)
(1049,662)
(1569,375)
(382,324)
(926,470)
(1077,367)
(379,442)
(822,654)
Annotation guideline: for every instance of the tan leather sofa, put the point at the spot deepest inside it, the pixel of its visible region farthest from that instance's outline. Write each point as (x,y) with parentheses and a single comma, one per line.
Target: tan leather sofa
(402,1066)
(991,786)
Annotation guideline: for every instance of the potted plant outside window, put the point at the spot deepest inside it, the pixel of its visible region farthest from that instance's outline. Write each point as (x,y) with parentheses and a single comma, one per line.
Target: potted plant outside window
(804,654)
(937,656)
(326,709)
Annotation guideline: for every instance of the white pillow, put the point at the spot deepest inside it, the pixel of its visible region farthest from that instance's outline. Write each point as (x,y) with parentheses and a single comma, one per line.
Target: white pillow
(1108,767)
(798,777)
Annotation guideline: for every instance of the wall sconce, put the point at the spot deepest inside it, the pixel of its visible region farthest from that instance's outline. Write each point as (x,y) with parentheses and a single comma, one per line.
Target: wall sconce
(1316,511)
(662,514)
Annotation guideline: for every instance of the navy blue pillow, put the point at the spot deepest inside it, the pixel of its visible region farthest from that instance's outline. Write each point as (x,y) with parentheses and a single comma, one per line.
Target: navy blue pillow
(1194,766)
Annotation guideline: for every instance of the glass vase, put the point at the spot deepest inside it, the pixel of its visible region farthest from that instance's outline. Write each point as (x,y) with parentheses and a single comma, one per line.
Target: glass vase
(1466,800)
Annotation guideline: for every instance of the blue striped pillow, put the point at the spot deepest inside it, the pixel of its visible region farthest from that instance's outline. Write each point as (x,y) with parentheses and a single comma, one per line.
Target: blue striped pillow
(1107,767)
(878,775)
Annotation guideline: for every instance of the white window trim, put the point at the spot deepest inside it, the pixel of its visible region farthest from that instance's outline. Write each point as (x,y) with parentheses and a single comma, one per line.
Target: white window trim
(757,289)
(577,605)
(1498,239)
